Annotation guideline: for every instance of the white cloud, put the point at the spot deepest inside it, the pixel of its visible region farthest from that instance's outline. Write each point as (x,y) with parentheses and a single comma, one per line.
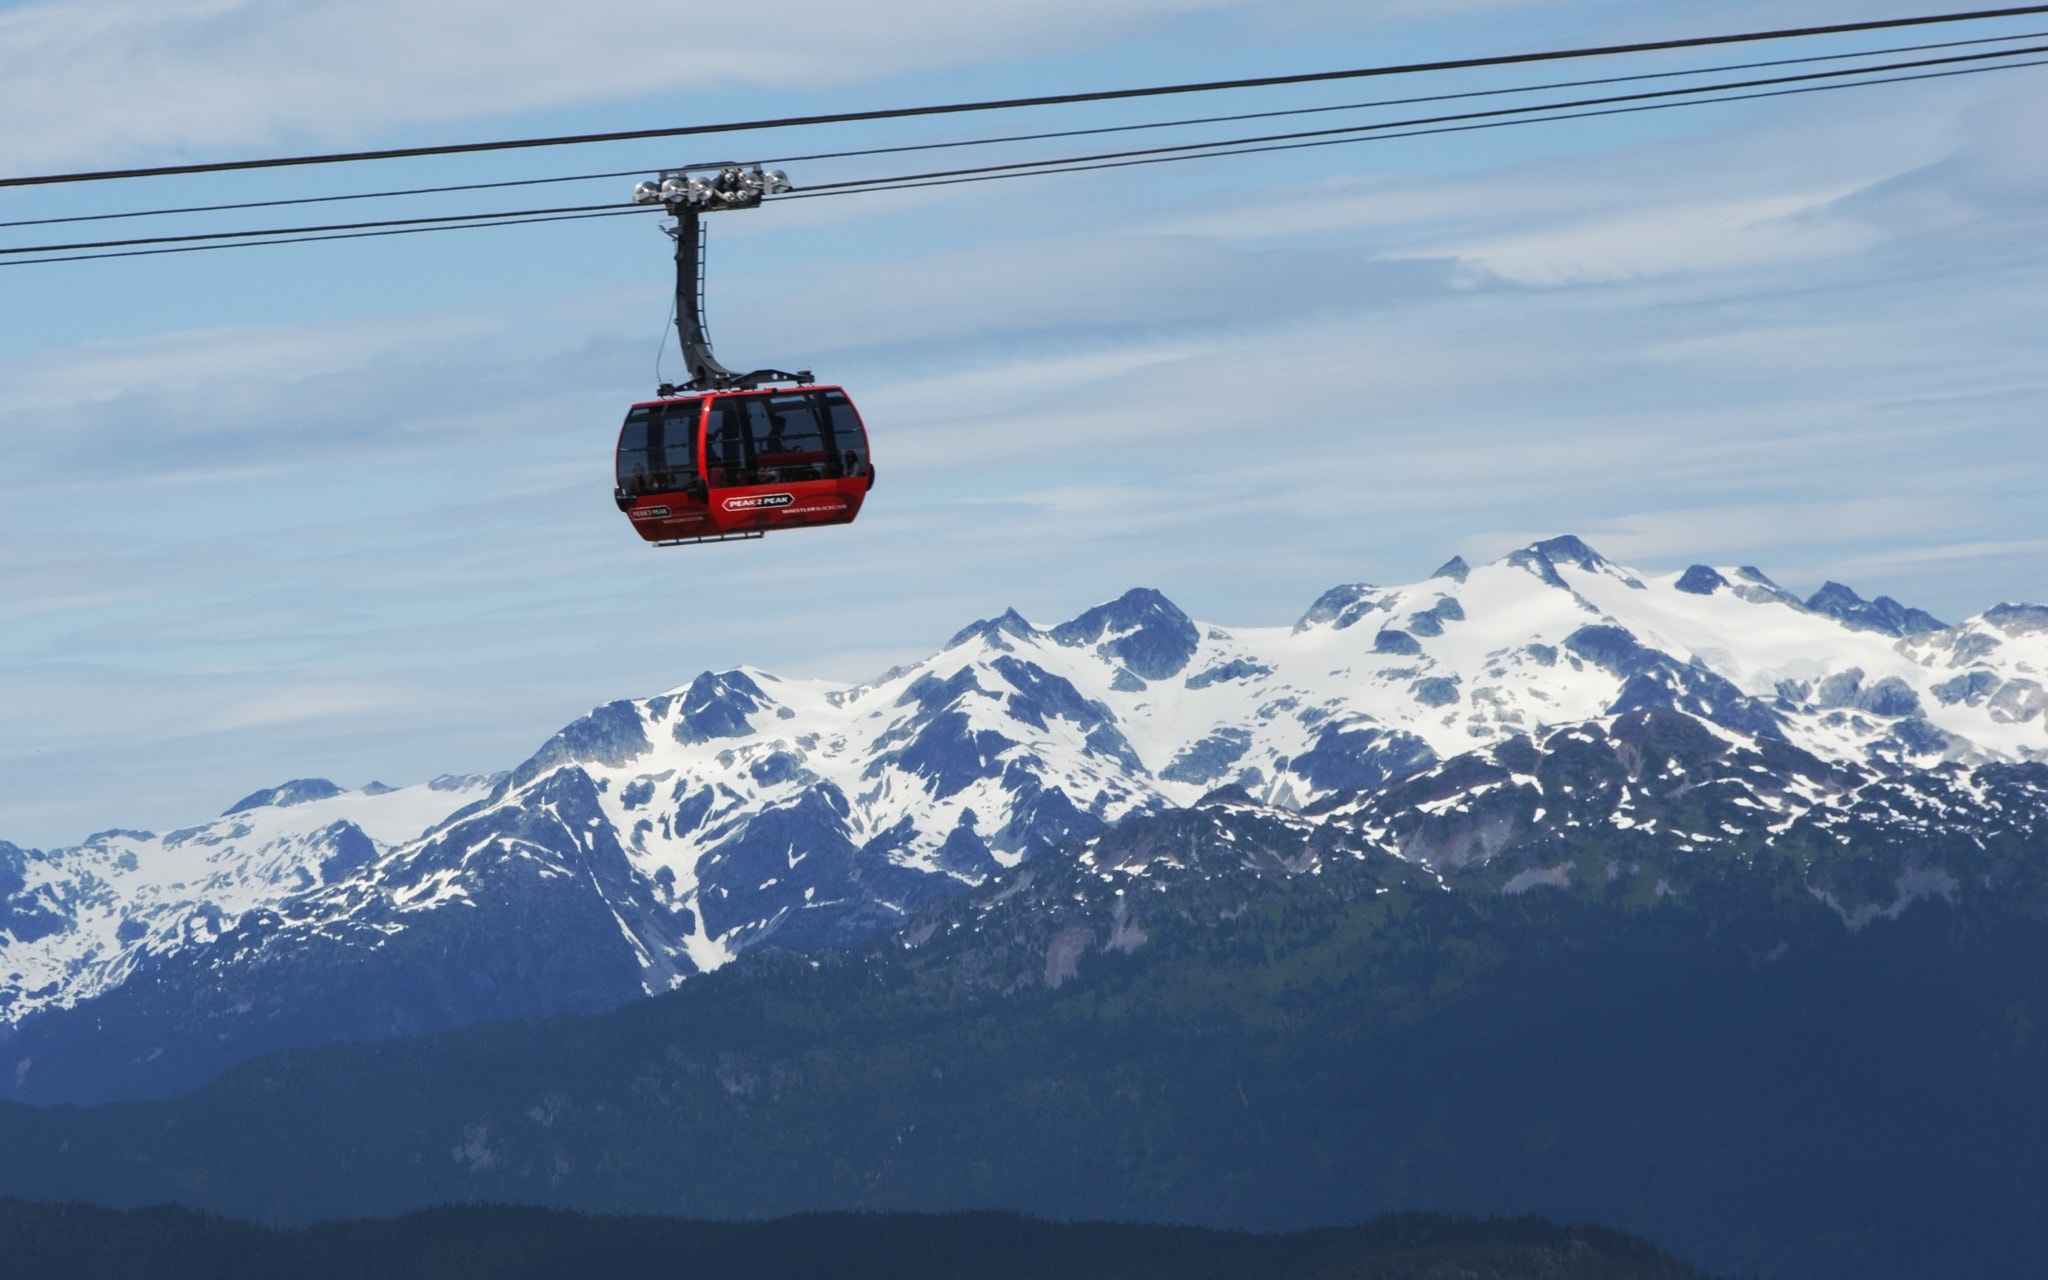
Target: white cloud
(103,371)
(110,79)
(105,82)
(298,706)
(1657,241)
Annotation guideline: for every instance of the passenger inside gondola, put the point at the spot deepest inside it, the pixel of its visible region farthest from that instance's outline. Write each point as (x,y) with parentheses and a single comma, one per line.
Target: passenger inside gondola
(794,447)
(657,448)
(728,446)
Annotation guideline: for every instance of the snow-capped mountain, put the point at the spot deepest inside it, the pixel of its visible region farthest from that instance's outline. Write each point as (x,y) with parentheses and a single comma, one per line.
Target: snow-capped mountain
(77,921)
(661,837)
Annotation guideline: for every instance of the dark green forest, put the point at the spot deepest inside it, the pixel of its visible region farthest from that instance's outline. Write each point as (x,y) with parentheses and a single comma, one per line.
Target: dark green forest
(1735,1076)
(78,1242)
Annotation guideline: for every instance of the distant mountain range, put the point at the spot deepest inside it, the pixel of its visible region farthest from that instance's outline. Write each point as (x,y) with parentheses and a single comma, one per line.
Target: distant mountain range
(659,838)
(1674,903)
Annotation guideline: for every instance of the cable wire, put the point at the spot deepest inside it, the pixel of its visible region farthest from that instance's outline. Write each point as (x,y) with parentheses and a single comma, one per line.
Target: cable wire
(1004,104)
(360,195)
(280,231)
(1072,164)
(352,235)
(1463,116)
(1050,135)
(1074,167)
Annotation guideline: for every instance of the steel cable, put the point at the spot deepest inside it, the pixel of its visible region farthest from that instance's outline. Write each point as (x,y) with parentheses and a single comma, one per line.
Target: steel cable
(1039,137)
(1006,104)
(1466,122)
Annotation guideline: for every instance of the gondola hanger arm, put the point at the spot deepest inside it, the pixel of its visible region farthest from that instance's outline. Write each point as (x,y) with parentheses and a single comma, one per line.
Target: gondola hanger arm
(688,195)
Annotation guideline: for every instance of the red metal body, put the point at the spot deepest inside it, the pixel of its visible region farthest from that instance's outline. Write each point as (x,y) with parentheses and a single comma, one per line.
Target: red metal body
(738,464)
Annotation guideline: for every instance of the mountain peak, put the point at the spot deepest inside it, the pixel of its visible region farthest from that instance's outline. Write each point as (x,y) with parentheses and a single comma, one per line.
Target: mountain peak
(993,630)
(1700,580)
(1343,605)
(2018,619)
(297,791)
(1882,614)
(1543,559)
(611,734)
(1454,568)
(1569,549)
(1146,631)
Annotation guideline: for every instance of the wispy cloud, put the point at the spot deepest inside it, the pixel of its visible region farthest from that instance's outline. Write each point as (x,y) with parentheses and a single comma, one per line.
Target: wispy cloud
(108,79)
(378,541)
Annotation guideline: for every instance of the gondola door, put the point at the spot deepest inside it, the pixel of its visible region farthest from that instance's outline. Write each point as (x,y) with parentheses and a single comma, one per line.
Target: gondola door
(660,484)
(784,459)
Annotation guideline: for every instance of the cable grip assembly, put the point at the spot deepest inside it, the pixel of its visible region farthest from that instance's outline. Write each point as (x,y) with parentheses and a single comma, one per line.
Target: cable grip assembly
(688,194)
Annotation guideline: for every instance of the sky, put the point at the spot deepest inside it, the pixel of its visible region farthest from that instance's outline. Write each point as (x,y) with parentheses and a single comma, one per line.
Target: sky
(344,509)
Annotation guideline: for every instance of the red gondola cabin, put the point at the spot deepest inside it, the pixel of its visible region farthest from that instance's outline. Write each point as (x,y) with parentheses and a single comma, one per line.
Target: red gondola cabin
(737,464)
